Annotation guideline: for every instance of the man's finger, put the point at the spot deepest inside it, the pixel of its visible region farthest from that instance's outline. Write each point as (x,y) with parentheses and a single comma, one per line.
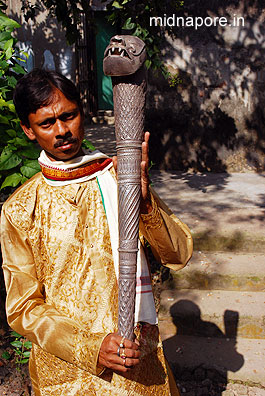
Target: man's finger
(131,362)
(145,148)
(144,173)
(114,160)
(131,353)
(120,368)
(129,344)
(146,136)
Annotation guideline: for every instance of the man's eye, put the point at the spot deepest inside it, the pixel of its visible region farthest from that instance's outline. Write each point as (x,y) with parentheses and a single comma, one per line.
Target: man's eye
(46,124)
(68,116)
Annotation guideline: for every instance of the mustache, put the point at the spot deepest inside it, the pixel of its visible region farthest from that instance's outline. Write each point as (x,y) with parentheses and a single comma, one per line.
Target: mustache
(63,141)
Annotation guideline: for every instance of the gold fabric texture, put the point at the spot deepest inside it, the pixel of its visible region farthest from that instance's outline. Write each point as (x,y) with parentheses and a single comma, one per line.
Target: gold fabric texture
(62,290)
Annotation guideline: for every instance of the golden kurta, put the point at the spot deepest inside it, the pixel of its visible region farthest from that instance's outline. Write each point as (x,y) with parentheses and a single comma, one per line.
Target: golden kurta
(62,289)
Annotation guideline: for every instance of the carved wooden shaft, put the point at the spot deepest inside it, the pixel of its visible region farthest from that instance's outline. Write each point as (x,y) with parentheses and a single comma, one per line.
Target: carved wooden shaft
(129,102)
(123,60)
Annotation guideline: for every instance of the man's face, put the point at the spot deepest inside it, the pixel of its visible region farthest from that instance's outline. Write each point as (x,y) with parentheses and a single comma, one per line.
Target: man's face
(58,128)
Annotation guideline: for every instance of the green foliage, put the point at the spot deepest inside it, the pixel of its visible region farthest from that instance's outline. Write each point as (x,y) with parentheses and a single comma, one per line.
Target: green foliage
(174,80)
(86,144)
(18,155)
(21,349)
(6,355)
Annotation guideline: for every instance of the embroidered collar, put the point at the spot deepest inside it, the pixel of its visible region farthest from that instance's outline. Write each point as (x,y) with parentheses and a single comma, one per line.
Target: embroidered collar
(77,170)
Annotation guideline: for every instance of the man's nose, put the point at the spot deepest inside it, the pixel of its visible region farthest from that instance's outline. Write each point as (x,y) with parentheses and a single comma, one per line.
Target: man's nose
(61,128)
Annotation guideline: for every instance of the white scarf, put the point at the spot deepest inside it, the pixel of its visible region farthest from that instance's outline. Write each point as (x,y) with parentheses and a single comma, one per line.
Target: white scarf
(71,164)
(144,301)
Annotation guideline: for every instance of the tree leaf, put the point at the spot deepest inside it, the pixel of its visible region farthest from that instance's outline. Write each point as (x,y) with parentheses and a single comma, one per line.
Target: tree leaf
(24,361)
(116,4)
(18,142)
(18,69)
(3,64)
(15,334)
(8,44)
(10,146)
(12,180)
(12,82)
(128,25)
(148,63)
(4,36)
(9,159)
(7,22)
(4,120)
(30,168)
(144,33)
(16,344)
(150,51)
(3,103)
(11,132)
(31,153)
(12,108)
(6,355)
(9,53)
(26,354)
(24,179)
(28,344)
(88,145)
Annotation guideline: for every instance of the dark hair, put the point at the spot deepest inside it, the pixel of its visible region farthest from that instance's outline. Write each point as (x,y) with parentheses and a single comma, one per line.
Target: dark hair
(35,90)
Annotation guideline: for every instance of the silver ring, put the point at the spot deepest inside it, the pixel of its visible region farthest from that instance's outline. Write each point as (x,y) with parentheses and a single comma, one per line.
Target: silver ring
(118,351)
(121,343)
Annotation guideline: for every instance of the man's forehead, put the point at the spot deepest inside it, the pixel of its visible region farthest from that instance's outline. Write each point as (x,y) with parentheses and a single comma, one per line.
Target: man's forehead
(58,98)
(57,104)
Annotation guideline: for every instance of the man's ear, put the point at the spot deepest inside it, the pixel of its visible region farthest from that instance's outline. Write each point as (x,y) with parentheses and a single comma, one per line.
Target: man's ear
(28,131)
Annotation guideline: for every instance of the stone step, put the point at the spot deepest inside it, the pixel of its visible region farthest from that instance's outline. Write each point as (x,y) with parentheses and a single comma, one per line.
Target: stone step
(236,359)
(236,241)
(221,271)
(225,212)
(213,313)
(104,117)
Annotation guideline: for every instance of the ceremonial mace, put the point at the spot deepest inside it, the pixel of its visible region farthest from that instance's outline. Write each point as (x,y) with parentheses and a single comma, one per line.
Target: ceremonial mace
(124,62)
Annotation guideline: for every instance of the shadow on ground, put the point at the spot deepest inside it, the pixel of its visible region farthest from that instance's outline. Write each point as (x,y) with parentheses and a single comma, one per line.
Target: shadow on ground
(102,136)
(200,354)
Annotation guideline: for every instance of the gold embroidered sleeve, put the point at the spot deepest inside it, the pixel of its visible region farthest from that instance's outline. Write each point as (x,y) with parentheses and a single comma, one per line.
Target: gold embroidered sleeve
(153,219)
(29,315)
(170,239)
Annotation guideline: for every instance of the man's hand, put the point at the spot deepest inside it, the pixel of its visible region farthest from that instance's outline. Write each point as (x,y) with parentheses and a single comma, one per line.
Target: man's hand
(108,354)
(146,206)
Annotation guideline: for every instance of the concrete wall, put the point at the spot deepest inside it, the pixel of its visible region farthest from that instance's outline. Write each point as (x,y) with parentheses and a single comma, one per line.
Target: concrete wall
(213,120)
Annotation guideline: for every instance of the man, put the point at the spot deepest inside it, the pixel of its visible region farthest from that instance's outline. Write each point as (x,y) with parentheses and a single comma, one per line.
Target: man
(58,257)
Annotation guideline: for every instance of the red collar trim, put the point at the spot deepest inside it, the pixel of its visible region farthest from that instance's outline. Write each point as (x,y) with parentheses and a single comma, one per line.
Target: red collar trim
(76,173)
